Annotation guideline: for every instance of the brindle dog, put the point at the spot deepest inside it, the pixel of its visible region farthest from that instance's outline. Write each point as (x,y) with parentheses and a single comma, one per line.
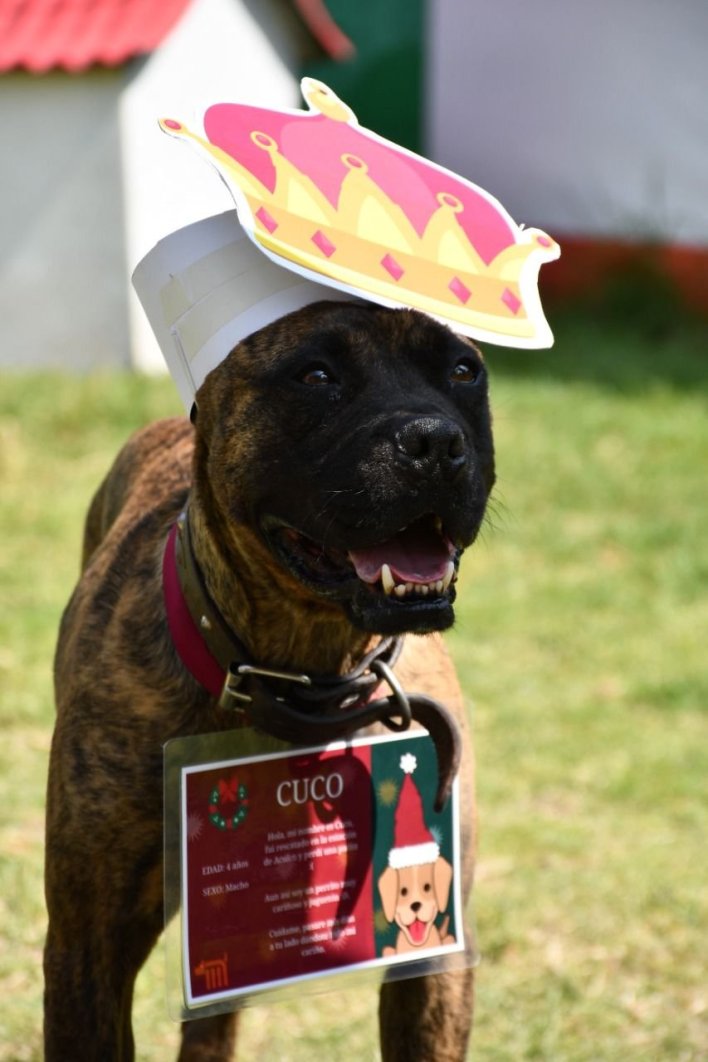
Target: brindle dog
(341,437)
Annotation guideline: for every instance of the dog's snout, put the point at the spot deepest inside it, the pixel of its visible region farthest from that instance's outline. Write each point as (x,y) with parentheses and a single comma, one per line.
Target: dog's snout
(430,442)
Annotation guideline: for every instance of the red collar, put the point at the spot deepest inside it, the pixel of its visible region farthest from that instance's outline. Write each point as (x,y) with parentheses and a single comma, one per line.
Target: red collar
(186,636)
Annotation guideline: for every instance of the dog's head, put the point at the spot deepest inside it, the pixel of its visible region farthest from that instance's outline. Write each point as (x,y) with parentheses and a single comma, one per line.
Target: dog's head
(354,444)
(412,896)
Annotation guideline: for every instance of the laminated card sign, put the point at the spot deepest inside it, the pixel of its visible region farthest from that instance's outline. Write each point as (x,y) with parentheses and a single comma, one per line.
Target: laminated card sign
(301,864)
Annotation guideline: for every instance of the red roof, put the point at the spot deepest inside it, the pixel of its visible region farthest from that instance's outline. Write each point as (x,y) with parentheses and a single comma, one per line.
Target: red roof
(41,35)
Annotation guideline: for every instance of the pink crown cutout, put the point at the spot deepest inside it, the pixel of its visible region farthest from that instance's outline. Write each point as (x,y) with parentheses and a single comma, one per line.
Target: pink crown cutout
(343,207)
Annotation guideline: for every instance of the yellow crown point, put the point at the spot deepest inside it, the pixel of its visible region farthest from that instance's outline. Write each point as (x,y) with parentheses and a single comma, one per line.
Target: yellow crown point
(321,98)
(365,209)
(445,241)
(534,245)
(294,191)
(243,178)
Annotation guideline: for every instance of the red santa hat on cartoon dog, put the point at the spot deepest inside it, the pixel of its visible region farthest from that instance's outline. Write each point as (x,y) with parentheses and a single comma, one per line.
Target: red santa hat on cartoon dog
(413,844)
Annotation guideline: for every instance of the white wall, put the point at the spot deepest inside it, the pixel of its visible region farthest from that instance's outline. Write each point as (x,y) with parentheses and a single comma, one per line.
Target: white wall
(589,119)
(220,51)
(63,301)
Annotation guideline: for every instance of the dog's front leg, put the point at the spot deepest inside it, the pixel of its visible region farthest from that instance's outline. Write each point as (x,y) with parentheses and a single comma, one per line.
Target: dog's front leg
(88,997)
(103,881)
(209,1039)
(426,1018)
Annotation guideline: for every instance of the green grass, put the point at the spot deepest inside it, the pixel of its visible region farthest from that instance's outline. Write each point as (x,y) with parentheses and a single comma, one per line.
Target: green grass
(581,644)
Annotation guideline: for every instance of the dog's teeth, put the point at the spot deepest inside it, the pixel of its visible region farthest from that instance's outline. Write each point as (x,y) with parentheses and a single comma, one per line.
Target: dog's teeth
(387,579)
(419,589)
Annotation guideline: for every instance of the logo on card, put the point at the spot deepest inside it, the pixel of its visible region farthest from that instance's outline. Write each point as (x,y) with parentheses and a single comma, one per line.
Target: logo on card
(215,973)
(228,803)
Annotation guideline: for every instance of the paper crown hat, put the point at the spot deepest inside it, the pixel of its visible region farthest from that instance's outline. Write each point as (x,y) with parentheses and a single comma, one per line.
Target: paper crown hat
(337,205)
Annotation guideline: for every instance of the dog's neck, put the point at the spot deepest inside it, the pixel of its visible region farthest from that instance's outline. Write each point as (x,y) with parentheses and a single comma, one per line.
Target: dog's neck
(278,625)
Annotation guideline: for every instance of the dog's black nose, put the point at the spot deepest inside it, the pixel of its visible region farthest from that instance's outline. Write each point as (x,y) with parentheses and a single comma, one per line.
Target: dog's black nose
(415,907)
(431,442)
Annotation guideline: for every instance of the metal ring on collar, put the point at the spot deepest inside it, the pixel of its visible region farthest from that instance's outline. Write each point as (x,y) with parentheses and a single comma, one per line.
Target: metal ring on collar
(400,699)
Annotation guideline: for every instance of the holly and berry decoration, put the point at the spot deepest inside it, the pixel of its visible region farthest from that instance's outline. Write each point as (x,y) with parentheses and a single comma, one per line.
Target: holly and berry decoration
(228,804)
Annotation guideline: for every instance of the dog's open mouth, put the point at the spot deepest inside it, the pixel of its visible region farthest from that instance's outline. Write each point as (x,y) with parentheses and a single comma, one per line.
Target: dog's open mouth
(418,560)
(415,563)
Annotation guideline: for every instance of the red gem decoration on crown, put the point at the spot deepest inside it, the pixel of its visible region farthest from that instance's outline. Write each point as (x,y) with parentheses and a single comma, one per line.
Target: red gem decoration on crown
(335,202)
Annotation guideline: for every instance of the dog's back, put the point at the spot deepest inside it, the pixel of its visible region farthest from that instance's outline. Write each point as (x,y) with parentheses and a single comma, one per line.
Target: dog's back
(155,462)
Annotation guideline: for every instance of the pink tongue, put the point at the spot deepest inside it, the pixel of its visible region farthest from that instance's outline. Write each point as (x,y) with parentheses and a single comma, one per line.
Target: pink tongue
(416,555)
(417,931)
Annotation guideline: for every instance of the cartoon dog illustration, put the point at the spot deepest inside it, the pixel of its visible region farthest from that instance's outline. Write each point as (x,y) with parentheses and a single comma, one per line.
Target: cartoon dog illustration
(415,886)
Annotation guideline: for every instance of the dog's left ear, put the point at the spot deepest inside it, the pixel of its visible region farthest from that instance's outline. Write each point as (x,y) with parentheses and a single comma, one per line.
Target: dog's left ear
(388,889)
(442,879)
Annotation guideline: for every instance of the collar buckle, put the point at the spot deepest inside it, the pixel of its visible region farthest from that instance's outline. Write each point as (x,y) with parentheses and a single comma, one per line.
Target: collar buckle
(236,674)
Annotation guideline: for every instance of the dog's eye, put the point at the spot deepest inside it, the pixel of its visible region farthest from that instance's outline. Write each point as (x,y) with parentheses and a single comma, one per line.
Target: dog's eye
(427,887)
(404,891)
(465,371)
(316,376)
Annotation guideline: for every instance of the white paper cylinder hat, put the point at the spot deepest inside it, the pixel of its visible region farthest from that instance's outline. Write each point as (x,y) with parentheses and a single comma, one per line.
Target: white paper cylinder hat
(206,287)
